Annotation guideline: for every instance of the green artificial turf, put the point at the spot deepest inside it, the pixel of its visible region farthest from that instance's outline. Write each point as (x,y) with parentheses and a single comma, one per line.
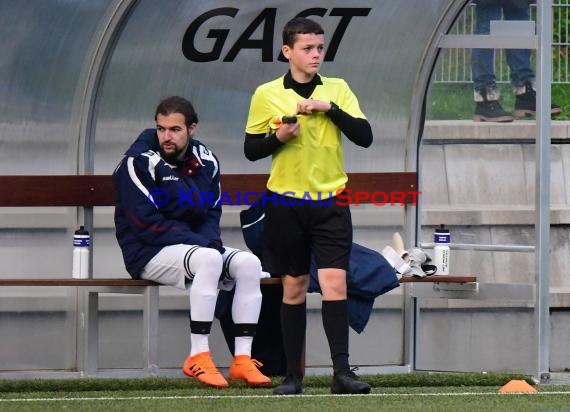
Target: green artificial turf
(154,384)
(398,392)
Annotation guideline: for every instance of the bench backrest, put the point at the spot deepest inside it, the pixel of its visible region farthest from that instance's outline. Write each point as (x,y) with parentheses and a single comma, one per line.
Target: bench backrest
(98,190)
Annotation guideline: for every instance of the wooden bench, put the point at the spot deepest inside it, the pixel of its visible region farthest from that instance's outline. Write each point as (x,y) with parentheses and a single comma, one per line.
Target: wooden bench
(88,191)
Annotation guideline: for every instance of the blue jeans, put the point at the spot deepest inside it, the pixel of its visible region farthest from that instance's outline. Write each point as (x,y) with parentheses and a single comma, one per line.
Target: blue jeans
(482,60)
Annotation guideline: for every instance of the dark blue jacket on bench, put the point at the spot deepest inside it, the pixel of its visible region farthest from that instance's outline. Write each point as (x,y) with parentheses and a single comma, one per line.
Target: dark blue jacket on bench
(159,204)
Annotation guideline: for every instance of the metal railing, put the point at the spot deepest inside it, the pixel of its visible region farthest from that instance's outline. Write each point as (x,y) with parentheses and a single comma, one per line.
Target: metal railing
(454,65)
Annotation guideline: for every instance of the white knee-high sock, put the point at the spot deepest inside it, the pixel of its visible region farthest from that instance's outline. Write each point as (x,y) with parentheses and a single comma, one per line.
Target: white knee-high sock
(245,268)
(206,264)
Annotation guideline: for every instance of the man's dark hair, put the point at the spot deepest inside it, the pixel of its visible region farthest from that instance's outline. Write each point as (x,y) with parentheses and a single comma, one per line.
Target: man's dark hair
(177,104)
(300,25)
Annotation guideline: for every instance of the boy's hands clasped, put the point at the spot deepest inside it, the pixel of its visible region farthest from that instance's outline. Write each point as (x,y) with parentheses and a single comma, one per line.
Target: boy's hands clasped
(288,131)
(310,106)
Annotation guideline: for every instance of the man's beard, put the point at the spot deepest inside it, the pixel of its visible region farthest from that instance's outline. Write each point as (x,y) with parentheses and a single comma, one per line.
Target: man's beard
(171,157)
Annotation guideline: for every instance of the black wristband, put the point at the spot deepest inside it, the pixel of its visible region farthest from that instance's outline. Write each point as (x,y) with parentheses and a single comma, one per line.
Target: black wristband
(333,111)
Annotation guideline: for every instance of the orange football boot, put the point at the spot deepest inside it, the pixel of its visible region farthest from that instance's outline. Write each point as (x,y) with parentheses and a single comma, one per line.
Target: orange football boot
(245,368)
(201,367)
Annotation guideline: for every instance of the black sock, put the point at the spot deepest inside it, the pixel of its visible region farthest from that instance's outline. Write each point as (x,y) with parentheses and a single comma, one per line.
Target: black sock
(335,323)
(293,325)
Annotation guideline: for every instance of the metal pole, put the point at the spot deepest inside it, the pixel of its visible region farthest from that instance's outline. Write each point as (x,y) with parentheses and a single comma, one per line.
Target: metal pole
(542,191)
(483,246)
(98,54)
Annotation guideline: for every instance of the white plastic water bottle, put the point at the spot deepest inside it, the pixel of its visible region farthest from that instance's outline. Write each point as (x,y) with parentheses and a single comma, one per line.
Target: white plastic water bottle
(80,254)
(441,255)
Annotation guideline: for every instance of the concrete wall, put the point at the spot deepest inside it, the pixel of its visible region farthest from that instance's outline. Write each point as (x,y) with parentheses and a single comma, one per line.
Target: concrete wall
(479,179)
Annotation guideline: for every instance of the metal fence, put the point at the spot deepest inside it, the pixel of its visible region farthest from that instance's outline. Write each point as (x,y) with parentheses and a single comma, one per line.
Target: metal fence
(454,65)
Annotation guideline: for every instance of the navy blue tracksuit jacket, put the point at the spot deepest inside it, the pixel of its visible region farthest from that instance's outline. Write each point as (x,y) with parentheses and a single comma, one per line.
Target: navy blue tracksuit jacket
(159,204)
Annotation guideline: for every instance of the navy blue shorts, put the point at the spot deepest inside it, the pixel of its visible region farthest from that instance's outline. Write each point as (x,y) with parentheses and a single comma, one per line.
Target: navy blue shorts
(295,233)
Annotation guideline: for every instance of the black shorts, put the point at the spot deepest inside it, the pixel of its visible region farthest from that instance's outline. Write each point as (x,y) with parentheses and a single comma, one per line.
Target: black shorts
(294,233)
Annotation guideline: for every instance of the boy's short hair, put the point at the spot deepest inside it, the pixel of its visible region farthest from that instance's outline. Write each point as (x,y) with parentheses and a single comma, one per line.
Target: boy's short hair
(177,104)
(299,25)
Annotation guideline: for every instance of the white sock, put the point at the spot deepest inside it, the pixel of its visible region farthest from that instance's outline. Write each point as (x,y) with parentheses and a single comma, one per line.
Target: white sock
(198,343)
(243,345)
(246,270)
(207,266)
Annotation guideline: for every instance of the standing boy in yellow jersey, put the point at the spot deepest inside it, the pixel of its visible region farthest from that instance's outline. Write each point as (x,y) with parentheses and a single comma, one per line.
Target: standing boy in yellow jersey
(302,217)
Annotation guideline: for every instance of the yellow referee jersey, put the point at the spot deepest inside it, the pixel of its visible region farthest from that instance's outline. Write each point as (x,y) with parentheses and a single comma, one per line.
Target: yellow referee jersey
(311,163)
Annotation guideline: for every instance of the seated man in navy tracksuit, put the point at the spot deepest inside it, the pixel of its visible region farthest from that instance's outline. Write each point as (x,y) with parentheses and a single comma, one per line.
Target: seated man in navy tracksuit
(167,219)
